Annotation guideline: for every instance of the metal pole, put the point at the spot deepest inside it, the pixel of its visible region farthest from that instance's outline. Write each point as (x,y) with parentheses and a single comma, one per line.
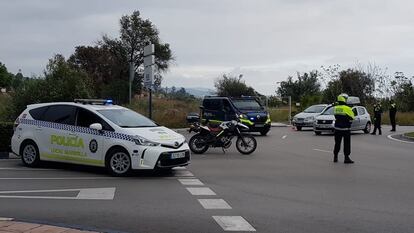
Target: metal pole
(150,104)
(290,110)
(131,78)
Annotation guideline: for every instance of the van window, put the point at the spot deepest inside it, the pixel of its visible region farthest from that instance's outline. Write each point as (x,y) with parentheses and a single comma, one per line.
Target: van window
(247,104)
(63,114)
(212,104)
(86,118)
(38,113)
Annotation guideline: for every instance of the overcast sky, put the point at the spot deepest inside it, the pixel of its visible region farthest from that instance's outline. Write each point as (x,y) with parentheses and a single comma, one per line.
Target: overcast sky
(264,40)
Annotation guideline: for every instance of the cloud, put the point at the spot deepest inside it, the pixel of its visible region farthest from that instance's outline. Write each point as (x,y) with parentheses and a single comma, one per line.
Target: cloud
(266,40)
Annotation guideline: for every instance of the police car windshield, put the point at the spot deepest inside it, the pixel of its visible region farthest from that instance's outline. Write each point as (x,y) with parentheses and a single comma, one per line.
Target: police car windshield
(328,111)
(247,104)
(315,109)
(126,118)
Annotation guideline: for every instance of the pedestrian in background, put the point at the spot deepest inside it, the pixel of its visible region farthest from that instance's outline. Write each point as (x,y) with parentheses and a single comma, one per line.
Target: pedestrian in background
(393,113)
(377,118)
(343,120)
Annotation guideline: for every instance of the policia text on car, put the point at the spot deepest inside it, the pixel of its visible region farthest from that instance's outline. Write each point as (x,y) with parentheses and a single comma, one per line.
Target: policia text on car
(343,120)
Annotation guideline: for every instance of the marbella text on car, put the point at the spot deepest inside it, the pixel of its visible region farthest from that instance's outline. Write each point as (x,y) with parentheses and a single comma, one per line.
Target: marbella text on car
(98,133)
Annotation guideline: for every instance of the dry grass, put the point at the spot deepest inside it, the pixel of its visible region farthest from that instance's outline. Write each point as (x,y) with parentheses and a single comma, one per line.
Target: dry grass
(403,118)
(410,134)
(166,112)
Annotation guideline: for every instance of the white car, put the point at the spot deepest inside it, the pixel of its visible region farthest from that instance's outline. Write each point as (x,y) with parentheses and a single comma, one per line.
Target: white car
(307,117)
(326,121)
(97,133)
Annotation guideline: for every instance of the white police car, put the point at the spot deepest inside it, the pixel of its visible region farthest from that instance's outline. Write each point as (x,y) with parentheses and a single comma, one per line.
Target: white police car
(95,132)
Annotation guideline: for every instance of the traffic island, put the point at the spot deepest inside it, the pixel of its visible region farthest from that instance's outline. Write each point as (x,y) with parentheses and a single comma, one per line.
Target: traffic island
(408,136)
(9,225)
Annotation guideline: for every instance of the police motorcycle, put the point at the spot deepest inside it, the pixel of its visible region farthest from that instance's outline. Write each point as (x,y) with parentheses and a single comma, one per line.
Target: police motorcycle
(222,136)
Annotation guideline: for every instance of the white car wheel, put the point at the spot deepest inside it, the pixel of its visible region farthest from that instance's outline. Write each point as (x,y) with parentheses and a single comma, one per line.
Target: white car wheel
(120,163)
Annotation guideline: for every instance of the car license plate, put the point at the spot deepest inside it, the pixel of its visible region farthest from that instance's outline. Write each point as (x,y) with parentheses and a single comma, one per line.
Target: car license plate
(178,155)
(259,125)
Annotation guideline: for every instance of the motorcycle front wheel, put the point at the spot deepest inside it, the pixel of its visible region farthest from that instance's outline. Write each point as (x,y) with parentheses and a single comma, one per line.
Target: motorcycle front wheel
(198,144)
(247,145)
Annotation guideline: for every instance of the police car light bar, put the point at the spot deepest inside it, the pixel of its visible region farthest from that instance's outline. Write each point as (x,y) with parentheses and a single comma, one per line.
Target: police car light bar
(93,101)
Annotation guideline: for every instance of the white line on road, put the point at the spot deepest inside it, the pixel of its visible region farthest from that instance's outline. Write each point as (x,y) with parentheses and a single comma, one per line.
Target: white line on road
(6,219)
(25,169)
(284,136)
(397,140)
(233,223)
(201,191)
(190,182)
(84,194)
(326,151)
(56,178)
(211,204)
(183,173)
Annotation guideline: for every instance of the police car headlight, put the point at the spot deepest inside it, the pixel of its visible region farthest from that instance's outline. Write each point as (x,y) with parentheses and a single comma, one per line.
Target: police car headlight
(243,116)
(144,142)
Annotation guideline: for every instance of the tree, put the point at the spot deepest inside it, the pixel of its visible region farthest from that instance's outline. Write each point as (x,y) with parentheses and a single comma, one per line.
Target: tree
(305,86)
(59,83)
(107,63)
(353,82)
(233,87)
(5,76)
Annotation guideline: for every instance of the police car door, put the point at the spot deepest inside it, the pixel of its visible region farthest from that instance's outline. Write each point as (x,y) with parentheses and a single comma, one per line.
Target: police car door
(57,137)
(94,139)
(357,121)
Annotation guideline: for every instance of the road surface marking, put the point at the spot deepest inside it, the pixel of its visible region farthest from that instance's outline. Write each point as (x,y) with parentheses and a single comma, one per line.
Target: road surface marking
(201,191)
(233,223)
(57,178)
(284,136)
(6,219)
(179,168)
(25,169)
(84,194)
(190,182)
(398,140)
(326,151)
(183,173)
(211,204)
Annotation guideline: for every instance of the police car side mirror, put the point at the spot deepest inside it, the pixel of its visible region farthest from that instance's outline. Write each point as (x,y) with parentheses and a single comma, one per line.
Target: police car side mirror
(96,126)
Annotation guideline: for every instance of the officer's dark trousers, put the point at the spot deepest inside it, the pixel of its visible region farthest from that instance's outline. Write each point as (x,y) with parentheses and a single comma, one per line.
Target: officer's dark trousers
(377,125)
(346,135)
(392,119)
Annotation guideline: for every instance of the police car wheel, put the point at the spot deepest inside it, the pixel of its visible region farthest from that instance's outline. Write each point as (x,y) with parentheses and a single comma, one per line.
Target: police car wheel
(298,128)
(317,132)
(29,154)
(118,162)
(264,132)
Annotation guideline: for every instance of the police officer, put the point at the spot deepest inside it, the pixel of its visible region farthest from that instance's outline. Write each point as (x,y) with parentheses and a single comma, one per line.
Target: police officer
(343,120)
(377,118)
(393,112)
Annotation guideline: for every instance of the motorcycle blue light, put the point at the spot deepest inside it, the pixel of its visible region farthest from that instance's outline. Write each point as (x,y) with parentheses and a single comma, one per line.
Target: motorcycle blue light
(109,102)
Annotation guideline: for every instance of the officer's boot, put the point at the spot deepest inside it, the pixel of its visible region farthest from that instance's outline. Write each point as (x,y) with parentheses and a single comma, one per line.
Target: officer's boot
(379,131)
(335,160)
(347,159)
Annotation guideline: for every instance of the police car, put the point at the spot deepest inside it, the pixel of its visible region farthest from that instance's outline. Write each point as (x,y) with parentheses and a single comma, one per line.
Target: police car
(97,133)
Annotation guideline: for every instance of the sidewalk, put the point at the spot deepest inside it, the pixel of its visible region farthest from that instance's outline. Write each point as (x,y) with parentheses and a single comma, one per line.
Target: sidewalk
(10,226)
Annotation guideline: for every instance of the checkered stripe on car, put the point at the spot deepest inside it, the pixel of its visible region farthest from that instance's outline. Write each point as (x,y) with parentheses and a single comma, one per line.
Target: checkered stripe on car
(77,129)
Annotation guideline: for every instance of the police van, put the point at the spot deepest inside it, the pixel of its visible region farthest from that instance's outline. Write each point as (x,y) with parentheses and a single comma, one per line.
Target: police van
(97,133)
(216,109)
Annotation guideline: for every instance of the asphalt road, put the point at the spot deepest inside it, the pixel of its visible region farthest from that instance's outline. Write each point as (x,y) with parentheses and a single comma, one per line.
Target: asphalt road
(288,185)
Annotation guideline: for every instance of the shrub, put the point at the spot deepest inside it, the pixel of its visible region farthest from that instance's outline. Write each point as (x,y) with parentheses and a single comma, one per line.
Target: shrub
(6,133)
